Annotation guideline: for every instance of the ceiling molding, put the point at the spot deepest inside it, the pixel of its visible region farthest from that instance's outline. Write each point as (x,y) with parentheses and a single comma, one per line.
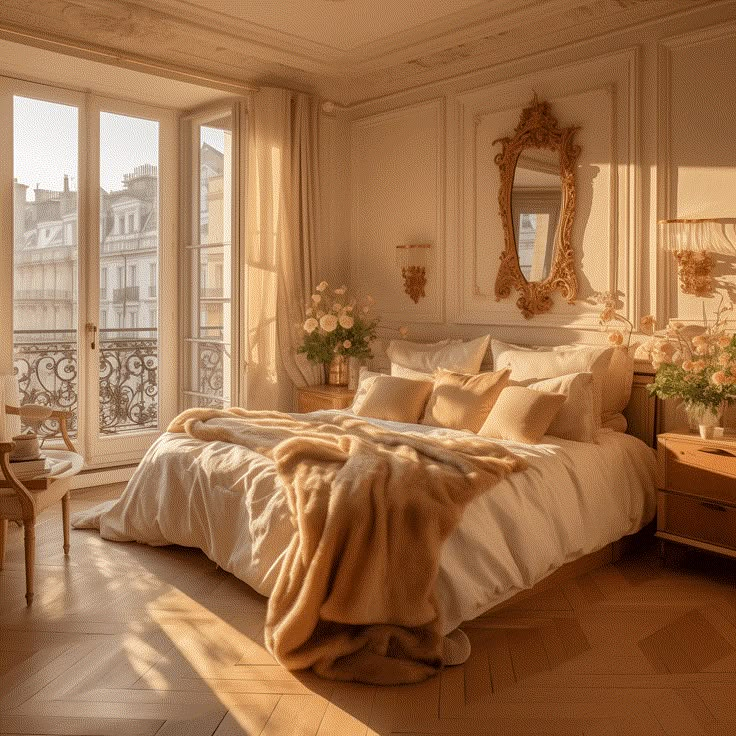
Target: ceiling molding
(183,36)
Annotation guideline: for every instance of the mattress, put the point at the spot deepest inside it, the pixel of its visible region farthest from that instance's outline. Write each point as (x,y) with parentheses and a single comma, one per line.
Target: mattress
(573,499)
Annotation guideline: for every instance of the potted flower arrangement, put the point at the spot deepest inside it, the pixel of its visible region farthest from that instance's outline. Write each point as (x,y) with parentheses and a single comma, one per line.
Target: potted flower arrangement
(338,327)
(696,365)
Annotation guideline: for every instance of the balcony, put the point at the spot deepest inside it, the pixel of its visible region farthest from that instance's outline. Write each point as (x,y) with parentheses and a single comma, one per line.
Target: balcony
(128,294)
(43,295)
(47,368)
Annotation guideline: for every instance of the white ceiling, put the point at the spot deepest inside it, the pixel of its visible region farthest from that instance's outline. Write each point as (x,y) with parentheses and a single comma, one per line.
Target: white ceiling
(342,25)
(345,50)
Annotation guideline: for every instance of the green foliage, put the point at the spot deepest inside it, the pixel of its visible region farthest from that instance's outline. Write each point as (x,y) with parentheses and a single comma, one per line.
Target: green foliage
(706,378)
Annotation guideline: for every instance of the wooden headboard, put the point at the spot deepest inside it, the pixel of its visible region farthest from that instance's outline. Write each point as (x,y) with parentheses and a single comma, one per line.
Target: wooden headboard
(643,410)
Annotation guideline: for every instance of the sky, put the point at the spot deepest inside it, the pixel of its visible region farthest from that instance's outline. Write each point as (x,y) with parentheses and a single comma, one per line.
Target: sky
(46,144)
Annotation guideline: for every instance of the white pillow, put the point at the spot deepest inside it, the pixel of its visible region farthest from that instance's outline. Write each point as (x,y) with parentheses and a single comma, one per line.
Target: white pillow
(460,357)
(617,389)
(577,419)
(538,364)
(401,372)
(366,379)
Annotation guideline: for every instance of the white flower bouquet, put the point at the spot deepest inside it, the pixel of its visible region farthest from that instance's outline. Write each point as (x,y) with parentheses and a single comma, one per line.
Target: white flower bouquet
(337,324)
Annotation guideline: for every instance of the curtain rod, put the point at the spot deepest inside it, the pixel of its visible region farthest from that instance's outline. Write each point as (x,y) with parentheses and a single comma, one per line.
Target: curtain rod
(115,58)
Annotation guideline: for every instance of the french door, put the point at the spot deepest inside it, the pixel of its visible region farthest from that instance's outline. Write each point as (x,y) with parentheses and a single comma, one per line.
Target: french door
(211,303)
(92,280)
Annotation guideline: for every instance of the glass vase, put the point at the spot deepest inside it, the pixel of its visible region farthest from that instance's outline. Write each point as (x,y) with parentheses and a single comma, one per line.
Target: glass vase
(703,418)
(337,371)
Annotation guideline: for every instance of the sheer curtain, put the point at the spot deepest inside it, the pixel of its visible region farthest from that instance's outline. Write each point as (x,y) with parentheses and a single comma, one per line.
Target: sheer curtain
(282,203)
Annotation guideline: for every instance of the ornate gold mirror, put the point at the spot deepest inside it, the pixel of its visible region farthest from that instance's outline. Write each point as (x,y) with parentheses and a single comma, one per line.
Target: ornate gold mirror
(537,206)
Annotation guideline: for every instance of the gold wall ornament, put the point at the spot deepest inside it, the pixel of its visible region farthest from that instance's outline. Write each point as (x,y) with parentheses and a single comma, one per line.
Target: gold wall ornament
(413,271)
(695,269)
(547,249)
(691,241)
(415,280)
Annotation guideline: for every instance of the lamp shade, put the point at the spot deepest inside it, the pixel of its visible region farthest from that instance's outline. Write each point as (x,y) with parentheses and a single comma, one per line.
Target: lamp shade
(695,235)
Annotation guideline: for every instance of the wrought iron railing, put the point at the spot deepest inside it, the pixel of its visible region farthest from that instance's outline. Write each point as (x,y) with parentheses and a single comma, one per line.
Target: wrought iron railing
(47,370)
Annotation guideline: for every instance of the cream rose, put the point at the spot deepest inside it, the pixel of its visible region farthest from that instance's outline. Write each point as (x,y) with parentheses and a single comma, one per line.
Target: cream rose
(328,323)
(347,344)
(346,321)
(322,286)
(616,338)
(719,378)
(316,298)
(310,325)
(340,291)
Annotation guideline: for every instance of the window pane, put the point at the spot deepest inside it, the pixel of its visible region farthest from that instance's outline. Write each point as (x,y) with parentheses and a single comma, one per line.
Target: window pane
(45,152)
(129,217)
(209,382)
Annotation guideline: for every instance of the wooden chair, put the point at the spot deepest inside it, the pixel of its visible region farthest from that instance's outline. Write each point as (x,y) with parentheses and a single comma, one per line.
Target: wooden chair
(24,500)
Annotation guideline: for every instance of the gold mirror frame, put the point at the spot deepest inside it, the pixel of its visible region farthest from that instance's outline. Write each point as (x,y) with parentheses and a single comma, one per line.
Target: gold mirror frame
(537,128)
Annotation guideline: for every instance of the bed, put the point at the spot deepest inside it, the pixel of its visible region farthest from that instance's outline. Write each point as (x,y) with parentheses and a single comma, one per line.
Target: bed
(572,500)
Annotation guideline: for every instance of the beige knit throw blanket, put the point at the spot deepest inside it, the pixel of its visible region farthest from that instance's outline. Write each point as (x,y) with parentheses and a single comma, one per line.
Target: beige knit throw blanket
(355,596)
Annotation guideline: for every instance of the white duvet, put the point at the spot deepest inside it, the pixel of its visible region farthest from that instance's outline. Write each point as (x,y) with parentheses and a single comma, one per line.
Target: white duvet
(573,499)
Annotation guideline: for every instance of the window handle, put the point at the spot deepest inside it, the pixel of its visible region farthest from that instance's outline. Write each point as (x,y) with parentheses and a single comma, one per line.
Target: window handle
(91,327)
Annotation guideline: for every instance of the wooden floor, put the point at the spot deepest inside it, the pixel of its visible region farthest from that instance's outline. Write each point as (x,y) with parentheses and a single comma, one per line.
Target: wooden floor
(128,639)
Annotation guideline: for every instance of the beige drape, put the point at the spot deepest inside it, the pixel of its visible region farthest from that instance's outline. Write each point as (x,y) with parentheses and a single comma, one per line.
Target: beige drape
(282,200)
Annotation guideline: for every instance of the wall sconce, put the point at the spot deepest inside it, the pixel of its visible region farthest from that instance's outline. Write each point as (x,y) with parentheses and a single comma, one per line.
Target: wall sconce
(413,260)
(692,241)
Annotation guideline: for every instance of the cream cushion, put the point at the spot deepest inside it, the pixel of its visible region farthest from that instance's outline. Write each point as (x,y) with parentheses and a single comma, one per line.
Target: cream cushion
(395,399)
(617,389)
(461,357)
(522,415)
(577,419)
(539,364)
(462,401)
(365,381)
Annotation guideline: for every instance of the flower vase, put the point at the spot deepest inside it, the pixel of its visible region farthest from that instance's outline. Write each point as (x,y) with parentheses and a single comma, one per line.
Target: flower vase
(337,371)
(704,418)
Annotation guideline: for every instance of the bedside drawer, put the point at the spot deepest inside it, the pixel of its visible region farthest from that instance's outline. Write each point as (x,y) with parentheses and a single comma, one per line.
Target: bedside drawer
(693,518)
(702,469)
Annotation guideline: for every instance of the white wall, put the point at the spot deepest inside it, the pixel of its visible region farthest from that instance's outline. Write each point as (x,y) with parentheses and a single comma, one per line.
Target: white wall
(658,125)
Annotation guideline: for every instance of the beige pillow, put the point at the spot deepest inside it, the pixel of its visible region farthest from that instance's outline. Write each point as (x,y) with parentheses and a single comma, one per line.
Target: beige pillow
(539,364)
(365,381)
(577,419)
(461,401)
(395,399)
(522,415)
(463,357)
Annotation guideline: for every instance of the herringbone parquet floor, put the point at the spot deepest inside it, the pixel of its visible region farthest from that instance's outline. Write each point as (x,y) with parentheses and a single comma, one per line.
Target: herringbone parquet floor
(126,639)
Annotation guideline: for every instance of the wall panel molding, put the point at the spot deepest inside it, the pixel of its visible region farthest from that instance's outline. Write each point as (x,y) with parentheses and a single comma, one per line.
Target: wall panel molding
(617,77)
(665,277)
(391,205)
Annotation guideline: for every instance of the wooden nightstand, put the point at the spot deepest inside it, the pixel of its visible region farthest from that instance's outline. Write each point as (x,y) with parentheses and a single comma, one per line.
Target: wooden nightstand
(316,398)
(696,502)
